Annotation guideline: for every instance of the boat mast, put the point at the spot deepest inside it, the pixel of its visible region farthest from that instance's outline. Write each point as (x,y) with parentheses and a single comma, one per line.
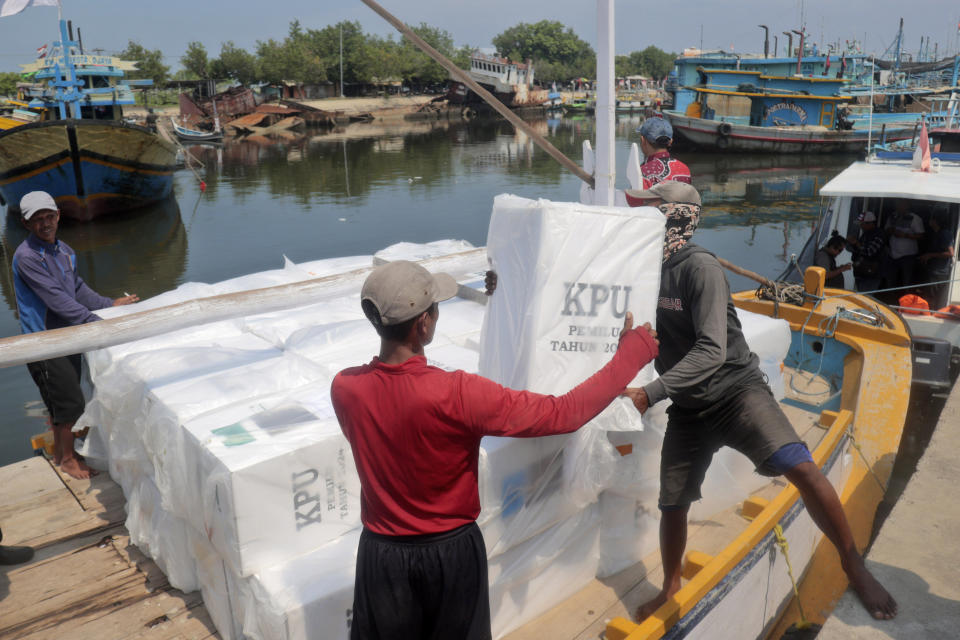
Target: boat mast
(899,43)
(65,83)
(605,174)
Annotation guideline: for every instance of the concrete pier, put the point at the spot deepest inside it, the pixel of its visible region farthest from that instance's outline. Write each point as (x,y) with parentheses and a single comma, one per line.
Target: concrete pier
(917,553)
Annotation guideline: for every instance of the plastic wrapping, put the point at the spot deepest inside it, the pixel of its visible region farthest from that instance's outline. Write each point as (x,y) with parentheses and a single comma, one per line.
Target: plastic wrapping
(224,439)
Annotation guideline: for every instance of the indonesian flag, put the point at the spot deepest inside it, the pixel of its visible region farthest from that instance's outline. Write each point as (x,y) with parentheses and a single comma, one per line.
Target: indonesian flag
(826,67)
(42,51)
(921,157)
(12,7)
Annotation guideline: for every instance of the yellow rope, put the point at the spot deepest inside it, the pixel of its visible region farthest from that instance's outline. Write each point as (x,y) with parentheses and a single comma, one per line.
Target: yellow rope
(785,548)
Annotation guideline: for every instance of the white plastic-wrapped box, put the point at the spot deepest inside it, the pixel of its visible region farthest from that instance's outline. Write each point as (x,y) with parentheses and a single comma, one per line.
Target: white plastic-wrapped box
(275,477)
(568,273)
(530,578)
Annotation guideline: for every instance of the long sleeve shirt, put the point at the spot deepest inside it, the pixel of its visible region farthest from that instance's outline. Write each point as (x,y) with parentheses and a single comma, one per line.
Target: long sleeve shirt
(50,293)
(703,353)
(415,431)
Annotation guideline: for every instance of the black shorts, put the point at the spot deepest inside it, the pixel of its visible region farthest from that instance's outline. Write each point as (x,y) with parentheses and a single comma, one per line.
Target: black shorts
(59,382)
(750,421)
(429,587)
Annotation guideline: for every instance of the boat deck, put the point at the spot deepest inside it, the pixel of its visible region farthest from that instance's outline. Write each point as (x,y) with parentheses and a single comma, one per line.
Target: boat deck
(585,615)
(86,580)
(915,553)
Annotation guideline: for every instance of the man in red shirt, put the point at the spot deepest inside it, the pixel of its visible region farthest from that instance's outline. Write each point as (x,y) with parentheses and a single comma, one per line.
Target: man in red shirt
(656,136)
(415,431)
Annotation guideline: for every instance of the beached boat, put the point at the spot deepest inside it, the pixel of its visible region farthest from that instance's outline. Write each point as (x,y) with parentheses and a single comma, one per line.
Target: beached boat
(511,82)
(81,151)
(193,135)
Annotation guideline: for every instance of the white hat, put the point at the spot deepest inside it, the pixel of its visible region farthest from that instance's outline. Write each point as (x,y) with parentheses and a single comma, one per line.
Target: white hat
(36,201)
(867,216)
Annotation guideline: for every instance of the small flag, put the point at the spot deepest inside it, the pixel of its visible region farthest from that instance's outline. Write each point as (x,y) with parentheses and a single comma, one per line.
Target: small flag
(13,7)
(921,156)
(42,51)
(826,67)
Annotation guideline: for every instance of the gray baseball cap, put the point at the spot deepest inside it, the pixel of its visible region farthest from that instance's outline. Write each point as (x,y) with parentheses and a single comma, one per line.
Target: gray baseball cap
(401,290)
(669,191)
(36,201)
(655,127)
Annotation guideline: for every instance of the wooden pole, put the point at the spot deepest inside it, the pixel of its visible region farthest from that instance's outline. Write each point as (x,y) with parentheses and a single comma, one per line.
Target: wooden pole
(43,345)
(465,78)
(745,272)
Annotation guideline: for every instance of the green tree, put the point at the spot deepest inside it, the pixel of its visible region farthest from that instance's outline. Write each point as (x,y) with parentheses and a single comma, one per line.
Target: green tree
(418,66)
(195,60)
(558,53)
(8,83)
(652,61)
(149,63)
(234,63)
(359,63)
(291,60)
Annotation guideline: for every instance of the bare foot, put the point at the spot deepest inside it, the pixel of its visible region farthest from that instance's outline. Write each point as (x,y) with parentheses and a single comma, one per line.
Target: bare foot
(648,608)
(876,600)
(76,469)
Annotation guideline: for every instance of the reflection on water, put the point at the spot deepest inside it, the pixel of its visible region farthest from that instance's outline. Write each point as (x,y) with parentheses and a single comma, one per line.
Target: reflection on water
(359,188)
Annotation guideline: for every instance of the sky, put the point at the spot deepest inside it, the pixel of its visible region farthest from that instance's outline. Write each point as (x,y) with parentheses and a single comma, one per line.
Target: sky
(169,25)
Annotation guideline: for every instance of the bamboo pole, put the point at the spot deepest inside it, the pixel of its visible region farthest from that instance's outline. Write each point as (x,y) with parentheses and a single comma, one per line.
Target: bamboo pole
(745,272)
(465,78)
(43,345)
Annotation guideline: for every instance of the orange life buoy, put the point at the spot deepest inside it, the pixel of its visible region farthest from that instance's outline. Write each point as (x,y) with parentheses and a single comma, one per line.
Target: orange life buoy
(951,311)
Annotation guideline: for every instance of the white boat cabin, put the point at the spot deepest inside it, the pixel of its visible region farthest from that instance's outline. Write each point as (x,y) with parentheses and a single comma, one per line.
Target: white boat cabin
(501,73)
(878,186)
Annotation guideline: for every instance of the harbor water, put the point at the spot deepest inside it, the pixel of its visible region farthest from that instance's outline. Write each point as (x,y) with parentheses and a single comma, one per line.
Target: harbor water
(360,188)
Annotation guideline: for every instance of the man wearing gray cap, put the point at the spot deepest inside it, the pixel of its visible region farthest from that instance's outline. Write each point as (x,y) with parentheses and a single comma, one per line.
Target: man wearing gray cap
(51,295)
(656,136)
(415,432)
(720,398)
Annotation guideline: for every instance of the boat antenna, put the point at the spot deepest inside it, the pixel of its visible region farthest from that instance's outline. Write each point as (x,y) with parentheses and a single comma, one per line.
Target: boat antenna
(500,108)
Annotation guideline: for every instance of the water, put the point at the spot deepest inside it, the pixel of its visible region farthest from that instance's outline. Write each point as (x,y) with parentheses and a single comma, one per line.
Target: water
(362,188)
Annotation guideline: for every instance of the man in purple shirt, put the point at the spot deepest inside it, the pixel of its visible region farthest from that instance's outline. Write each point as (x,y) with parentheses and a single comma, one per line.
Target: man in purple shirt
(50,295)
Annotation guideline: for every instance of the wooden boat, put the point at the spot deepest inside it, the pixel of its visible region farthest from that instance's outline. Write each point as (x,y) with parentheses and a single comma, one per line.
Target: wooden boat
(776,114)
(193,135)
(82,152)
(579,105)
(511,82)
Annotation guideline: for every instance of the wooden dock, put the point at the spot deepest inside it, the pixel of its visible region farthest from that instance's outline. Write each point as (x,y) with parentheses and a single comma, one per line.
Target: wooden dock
(86,579)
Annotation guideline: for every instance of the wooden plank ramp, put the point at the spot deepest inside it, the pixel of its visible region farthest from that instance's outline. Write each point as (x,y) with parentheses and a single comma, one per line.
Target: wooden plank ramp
(86,579)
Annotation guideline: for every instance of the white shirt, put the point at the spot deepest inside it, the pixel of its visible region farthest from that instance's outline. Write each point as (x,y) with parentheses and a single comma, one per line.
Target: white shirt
(905,223)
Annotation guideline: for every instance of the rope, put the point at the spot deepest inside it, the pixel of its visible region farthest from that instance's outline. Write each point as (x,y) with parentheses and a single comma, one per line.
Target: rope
(785,550)
(856,445)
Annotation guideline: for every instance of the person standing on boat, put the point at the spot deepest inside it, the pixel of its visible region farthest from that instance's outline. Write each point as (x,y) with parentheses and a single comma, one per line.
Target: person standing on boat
(51,295)
(937,259)
(721,398)
(868,253)
(826,257)
(904,229)
(415,432)
(656,136)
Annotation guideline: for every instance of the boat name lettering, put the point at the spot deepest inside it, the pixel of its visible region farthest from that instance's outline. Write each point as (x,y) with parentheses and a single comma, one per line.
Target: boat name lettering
(303,498)
(599,294)
(83,60)
(787,106)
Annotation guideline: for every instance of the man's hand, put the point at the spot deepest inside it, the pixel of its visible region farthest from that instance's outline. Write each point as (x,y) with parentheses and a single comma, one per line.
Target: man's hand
(628,325)
(128,299)
(639,398)
(846,267)
(490,281)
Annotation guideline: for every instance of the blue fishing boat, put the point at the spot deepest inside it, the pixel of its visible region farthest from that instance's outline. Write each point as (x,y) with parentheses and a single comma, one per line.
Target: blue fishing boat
(79,149)
(779,114)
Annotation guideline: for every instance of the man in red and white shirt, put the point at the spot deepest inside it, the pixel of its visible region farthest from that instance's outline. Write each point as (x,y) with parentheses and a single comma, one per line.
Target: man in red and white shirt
(415,432)
(656,136)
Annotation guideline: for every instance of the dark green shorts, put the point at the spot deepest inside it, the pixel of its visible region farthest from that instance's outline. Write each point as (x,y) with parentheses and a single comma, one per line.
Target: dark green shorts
(59,382)
(750,421)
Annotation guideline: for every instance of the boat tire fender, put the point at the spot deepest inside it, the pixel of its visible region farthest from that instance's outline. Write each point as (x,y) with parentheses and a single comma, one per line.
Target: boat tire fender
(724,129)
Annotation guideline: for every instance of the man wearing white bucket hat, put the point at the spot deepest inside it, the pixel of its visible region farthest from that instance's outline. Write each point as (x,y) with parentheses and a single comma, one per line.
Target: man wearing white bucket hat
(415,431)
(51,295)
